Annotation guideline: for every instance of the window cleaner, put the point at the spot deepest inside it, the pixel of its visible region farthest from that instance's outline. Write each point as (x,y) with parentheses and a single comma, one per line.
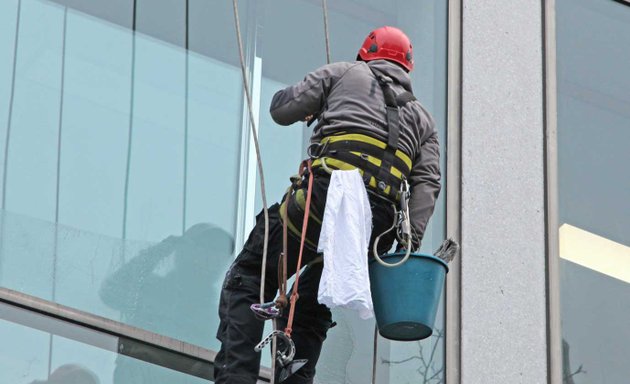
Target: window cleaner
(366,119)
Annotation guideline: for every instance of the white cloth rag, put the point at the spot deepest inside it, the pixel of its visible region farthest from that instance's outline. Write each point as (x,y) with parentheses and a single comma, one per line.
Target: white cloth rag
(344,241)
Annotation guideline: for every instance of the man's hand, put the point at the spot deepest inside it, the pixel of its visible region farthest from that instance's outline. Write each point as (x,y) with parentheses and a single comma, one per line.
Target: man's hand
(308,118)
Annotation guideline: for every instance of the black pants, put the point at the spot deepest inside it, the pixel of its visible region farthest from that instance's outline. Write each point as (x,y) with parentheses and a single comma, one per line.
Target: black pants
(239,331)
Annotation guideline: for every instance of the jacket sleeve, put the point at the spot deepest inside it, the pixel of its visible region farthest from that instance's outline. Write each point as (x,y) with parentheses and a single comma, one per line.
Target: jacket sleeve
(307,97)
(425,185)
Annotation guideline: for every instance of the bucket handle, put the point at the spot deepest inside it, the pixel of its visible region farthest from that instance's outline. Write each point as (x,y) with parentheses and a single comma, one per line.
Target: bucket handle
(401,220)
(378,238)
(396,264)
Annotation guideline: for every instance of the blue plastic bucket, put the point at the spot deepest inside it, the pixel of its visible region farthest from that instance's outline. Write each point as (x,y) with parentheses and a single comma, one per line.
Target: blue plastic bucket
(406,297)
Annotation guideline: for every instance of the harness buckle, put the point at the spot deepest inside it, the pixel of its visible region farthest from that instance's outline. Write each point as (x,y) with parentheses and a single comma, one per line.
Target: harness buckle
(316,150)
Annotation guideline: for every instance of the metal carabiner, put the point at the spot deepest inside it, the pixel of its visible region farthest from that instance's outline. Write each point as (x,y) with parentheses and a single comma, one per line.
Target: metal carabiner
(405,224)
(320,147)
(284,357)
(266,311)
(404,194)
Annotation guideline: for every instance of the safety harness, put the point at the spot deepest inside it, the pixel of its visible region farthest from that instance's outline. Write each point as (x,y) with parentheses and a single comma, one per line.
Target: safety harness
(384,169)
(382,165)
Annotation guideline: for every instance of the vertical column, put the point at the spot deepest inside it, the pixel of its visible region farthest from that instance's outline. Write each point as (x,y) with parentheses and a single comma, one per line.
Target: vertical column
(503,303)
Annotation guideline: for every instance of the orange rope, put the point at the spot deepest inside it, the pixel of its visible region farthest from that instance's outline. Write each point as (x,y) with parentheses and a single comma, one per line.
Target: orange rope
(281,301)
(294,294)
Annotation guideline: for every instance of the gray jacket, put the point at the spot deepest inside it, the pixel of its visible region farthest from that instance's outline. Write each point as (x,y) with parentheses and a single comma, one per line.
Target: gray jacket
(346,97)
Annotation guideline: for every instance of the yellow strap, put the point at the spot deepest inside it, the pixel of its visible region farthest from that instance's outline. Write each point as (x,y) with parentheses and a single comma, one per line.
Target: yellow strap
(338,164)
(292,227)
(301,200)
(370,140)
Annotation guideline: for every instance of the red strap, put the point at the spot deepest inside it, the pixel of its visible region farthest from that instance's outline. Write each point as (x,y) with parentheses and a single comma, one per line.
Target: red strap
(307,205)
(281,301)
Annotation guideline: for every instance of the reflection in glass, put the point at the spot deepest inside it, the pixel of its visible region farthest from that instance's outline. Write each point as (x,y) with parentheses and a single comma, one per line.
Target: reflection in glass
(37,349)
(171,287)
(594,210)
(70,374)
(57,236)
(150,145)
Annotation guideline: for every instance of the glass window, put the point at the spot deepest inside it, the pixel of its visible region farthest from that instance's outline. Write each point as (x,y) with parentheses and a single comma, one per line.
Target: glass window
(97,91)
(8,24)
(27,242)
(37,349)
(130,172)
(116,11)
(162,19)
(142,211)
(594,185)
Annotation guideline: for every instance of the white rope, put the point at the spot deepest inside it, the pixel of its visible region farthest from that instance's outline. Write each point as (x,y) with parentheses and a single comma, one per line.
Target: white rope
(263,194)
(256,145)
(326,34)
(258,157)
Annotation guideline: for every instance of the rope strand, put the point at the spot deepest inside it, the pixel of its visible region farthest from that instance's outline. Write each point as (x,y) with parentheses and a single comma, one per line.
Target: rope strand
(326,34)
(263,273)
(307,205)
(252,123)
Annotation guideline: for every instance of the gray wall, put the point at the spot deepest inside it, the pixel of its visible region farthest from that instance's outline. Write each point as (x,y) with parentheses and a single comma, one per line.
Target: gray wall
(503,242)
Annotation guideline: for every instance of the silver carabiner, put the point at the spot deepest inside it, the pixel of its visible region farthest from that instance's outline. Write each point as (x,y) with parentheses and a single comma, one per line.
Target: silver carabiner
(320,147)
(266,311)
(405,224)
(283,357)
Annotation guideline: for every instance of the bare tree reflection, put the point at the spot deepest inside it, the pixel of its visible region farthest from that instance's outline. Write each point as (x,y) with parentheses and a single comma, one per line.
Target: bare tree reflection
(567,375)
(431,367)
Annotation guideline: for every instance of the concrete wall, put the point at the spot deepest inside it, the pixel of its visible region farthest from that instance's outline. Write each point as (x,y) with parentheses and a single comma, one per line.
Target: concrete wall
(503,311)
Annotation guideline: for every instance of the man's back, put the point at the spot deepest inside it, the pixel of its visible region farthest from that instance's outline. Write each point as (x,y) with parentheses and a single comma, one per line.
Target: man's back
(347,98)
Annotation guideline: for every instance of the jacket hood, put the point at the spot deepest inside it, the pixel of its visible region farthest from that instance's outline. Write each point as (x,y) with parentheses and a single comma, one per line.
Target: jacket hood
(392,70)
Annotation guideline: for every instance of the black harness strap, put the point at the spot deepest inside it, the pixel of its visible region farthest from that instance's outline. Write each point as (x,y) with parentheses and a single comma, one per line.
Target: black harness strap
(362,148)
(404,97)
(393,103)
(342,150)
(369,169)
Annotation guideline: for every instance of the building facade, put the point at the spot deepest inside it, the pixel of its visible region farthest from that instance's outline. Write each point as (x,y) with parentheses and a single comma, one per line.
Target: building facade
(129,183)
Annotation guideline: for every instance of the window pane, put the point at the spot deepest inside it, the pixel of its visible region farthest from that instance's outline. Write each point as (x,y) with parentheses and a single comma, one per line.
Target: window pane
(37,349)
(144,229)
(117,11)
(140,221)
(27,239)
(162,19)
(594,184)
(97,91)
(8,21)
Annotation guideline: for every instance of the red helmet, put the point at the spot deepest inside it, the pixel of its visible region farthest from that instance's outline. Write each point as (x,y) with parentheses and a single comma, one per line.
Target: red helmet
(388,43)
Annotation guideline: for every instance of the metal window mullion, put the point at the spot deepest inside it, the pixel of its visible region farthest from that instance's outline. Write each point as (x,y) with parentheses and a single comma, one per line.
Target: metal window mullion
(453,190)
(186,78)
(130,127)
(5,166)
(114,328)
(58,177)
(554,335)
